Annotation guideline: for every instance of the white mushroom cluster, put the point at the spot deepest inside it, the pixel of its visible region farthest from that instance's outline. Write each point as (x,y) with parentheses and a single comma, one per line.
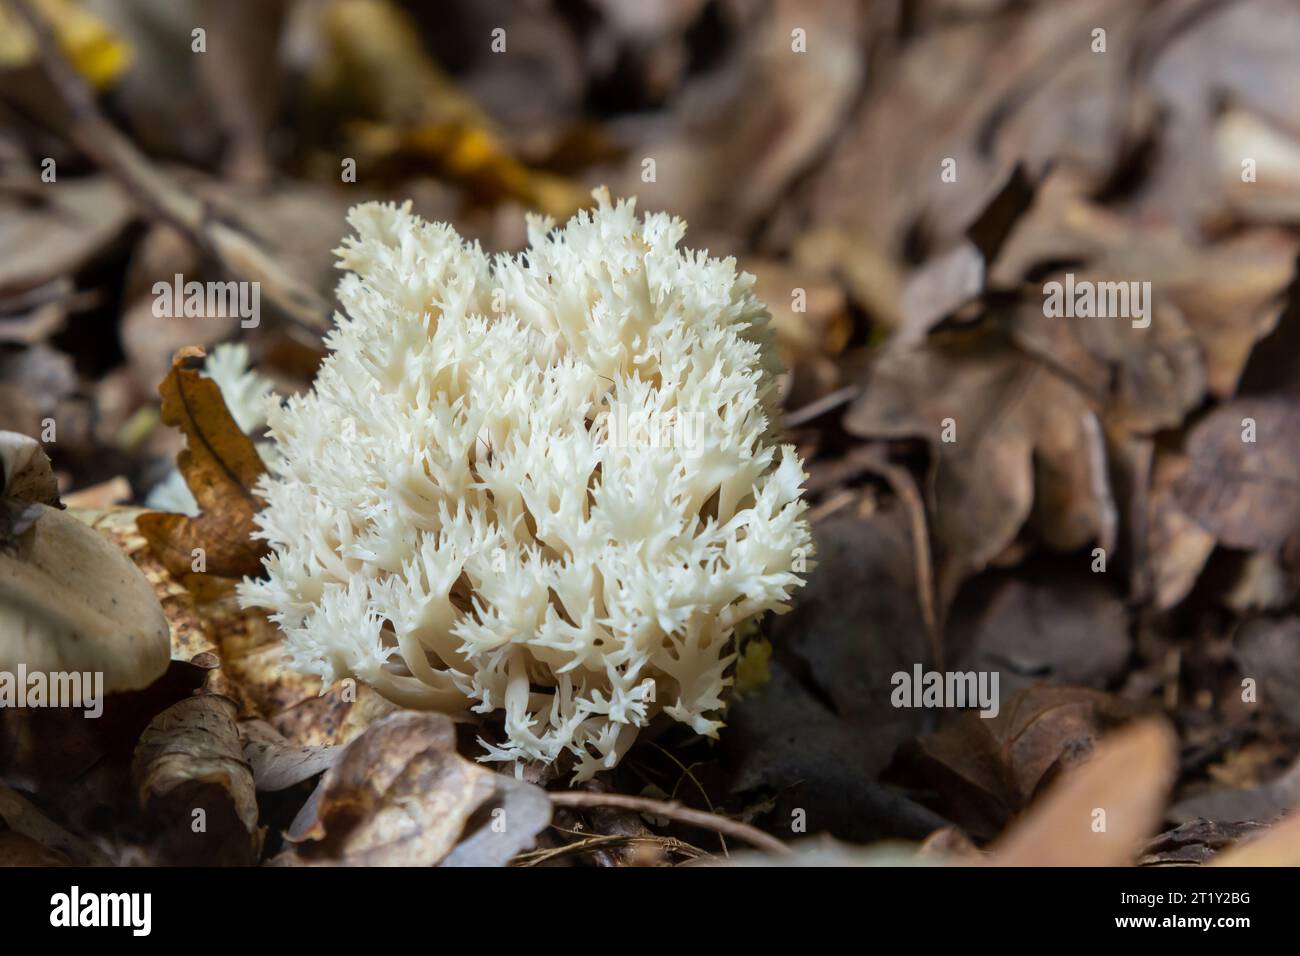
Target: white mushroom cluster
(544,485)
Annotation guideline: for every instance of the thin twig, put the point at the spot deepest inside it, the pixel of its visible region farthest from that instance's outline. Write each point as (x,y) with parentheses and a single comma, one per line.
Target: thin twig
(104,143)
(589,844)
(801,416)
(673,811)
(687,775)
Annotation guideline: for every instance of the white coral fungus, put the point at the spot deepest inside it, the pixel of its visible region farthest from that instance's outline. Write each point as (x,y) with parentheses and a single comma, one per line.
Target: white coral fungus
(490,499)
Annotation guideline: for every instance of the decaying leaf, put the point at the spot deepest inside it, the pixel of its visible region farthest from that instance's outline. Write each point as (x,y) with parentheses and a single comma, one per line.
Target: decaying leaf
(822,727)
(221,466)
(71,226)
(400,795)
(190,776)
(1194,842)
(1268,651)
(278,765)
(989,769)
(1010,439)
(505,825)
(1100,813)
(1030,628)
(1242,483)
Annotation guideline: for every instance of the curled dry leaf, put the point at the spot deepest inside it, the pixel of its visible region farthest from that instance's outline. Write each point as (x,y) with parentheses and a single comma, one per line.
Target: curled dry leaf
(400,795)
(189,769)
(221,466)
(1100,813)
(278,764)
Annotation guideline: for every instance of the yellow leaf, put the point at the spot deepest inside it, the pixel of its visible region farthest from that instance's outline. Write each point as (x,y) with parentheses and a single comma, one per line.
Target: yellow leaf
(752,671)
(408,109)
(98,53)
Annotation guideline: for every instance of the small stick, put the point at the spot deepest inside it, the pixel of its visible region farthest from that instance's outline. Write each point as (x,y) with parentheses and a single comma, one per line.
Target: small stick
(673,811)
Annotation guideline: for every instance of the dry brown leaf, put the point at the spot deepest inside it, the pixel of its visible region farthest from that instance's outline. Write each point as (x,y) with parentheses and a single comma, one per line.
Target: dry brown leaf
(221,466)
(1268,651)
(983,92)
(1212,303)
(277,764)
(73,224)
(1243,490)
(1100,813)
(399,795)
(988,770)
(1026,445)
(1030,626)
(507,824)
(188,770)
